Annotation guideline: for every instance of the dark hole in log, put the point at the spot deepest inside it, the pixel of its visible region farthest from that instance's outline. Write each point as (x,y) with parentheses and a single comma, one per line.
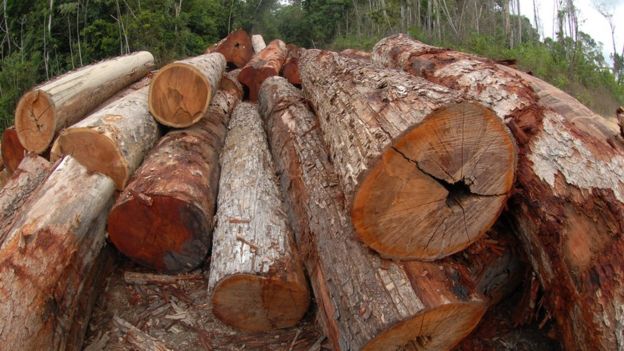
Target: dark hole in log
(457,191)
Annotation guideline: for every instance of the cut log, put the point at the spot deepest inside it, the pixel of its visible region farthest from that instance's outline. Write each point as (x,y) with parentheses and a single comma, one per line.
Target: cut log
(164,217)
(4,177)
(48,254)
(357,54)
(620,119)
(113,140)
(66,100)
(410,154)
(25,180)
(568,208)
(290,69)
(230,83)
(366,303)
(256,276)
(266,63)
(258,43)
(12,150)
(181,92)
(236,48)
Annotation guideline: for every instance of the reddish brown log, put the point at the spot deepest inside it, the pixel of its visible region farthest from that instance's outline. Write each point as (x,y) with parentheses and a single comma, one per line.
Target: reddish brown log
(265,64)
(12,150)
(290,70)
(236,48)
(568,208)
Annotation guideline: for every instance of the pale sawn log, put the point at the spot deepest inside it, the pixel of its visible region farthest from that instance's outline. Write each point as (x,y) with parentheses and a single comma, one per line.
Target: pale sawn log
(257,42)
(12,150)
(256,275)
(236,48)
(425,172)
(266,63)
(64,101)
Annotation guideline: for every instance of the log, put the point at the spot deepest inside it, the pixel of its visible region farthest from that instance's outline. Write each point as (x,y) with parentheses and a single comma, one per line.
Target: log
(620,120)
(4,177)
(357,54)
(256,276)
(113,140)
(230,83)
(568,208)
(181,92)
(257,43)
(164,217)
(290,69)
(236,48)
(47,255)
(266,63)
(410,154)
(12,150)
(64,101)
(365,302)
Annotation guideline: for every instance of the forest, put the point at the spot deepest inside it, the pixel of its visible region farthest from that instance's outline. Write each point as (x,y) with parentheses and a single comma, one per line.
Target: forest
(42,39)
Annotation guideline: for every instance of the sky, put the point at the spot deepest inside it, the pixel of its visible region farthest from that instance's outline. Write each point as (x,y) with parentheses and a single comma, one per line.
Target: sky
(590,21)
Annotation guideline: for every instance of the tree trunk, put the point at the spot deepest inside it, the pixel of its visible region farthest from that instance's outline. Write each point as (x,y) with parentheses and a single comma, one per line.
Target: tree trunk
(236,48)
(356,54)
(290,69)
(181,92)
(620,119)
(12,150)
(258,43)
(365,302)
(66,100)
(25,180)
(410,154)
(569,204)
(113,140)
(256,277)
(164,217)
(46,256)
(231,85)
(265,64)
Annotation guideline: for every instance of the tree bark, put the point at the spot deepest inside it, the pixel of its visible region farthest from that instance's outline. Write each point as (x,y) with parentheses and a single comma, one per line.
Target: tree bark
(356,54)
(48,253)
(365,302)
(256,277)
(568,207)
(410,154)
(66,100)
(266,63)
(230,83)
(12,150)
(4,177)
(113,140)
(164,217)
(290,69)
(181,92)
(236,48)
(620,120)
(258,43)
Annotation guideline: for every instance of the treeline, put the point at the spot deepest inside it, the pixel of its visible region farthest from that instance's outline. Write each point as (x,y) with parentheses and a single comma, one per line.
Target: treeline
(44,38)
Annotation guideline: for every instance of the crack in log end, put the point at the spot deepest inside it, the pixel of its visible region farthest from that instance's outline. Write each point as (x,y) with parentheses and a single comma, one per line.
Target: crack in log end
(35,121)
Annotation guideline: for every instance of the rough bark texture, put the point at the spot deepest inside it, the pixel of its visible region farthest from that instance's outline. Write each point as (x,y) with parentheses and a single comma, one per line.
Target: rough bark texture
(290,69)
(236,48)
(113,140)
(164,217)
(365,302)
(67,99)
(258,43)
(568,207)
(4,177)
(13,196)
(266,63)
(181,92)
(357,54)
(409,154)
(620,120)
(47,255)
(230,83)
(12,150)
(256,276)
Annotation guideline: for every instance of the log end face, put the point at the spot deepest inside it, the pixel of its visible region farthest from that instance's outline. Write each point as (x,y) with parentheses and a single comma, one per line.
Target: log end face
(35,121)
(237,48)
(179,95)
(439,188)
(256,304)
(160,232)
(439,328)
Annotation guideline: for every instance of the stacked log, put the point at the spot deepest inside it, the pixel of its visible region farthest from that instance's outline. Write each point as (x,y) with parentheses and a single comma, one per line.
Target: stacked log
(180,93)
(64,101)
(257,41)
(357,54)
(113,140)
(12,150)
(229,83)
(568,207)
(256,276)
(409,154)
(266,63)
(620,119)
(290,69)
(164,217)
(236,48)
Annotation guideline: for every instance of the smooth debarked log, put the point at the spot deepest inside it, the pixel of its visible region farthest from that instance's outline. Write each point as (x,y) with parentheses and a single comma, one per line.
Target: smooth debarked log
(257,42)
(46,259)
(425,173)
(12,150)
(568,206)
(266,63)
(164,217)
(365,302)
(61,102)
(290,69)
(113,140)
(236,48)
(256,275)
(180,93)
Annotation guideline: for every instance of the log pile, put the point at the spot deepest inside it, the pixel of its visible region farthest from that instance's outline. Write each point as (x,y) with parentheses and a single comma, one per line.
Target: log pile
(404,194)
